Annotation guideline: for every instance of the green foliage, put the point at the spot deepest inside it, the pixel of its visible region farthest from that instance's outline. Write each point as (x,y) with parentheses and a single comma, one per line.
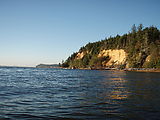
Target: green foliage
(98,61)
(65,64)
(134,28)
(86,60)
(139,43)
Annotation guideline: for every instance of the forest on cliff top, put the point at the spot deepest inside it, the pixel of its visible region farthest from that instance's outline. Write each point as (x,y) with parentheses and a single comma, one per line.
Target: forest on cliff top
(139,44)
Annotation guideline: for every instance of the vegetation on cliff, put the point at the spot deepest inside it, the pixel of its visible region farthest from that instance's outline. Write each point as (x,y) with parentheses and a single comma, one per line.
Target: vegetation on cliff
(142,46)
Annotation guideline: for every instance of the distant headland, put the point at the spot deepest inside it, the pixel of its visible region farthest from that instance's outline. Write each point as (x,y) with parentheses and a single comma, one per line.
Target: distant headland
(48,66)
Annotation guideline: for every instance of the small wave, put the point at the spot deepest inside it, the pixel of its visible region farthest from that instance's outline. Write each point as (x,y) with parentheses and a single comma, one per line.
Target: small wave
(3,75)
(5,119)
(24,116)
(102,103)
(35,117)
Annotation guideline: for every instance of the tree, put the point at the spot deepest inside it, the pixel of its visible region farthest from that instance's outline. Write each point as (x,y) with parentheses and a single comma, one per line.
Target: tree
(140,27)
(134,29)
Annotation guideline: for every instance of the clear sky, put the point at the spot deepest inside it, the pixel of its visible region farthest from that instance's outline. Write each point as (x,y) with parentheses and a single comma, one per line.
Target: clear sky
(48,31)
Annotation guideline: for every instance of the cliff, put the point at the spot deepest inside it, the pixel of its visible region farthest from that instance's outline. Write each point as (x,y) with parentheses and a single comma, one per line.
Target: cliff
(117,57)
(140,48)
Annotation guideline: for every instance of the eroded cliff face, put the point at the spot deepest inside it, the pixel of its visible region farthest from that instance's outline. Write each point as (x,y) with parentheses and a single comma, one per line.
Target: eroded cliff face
(80,55)
(116,57)
(110,58)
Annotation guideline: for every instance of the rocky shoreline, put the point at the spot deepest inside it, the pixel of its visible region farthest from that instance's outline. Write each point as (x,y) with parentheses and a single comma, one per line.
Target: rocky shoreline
(143,69)
(125,69)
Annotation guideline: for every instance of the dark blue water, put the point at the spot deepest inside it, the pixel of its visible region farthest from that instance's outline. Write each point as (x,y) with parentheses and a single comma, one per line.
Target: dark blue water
(59,94)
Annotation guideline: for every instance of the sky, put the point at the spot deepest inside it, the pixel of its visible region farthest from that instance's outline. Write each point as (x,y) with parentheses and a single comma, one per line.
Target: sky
(48,31)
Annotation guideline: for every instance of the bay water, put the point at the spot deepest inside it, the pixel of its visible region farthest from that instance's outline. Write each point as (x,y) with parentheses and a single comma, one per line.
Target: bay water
(64,94)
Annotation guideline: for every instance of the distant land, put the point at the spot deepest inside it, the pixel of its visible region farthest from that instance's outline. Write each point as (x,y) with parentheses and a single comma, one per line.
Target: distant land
(139,48)
(47,66)
(4,66)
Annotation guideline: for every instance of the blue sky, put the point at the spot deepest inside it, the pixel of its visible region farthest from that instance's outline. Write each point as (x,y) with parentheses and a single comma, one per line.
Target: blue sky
(48,31)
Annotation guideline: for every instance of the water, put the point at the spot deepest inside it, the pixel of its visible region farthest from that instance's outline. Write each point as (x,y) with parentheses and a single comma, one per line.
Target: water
(59,94)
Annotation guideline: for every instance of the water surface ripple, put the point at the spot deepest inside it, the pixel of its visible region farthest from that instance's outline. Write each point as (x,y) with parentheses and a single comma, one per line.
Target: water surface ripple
(60,94)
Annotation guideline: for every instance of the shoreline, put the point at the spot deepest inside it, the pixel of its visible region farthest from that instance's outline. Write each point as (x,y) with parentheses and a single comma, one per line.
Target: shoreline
(144,70)
(117,69)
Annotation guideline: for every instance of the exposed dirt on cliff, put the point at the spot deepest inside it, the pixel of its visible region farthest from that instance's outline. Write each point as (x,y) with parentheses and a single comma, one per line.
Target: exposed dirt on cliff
(80,55)
(117,57)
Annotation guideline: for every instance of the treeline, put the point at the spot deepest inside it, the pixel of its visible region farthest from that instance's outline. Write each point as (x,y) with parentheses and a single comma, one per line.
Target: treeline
(140,43)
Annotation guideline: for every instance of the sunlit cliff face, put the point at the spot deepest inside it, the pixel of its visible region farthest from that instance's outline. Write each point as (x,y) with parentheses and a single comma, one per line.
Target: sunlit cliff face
(116,56)
(80,55)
